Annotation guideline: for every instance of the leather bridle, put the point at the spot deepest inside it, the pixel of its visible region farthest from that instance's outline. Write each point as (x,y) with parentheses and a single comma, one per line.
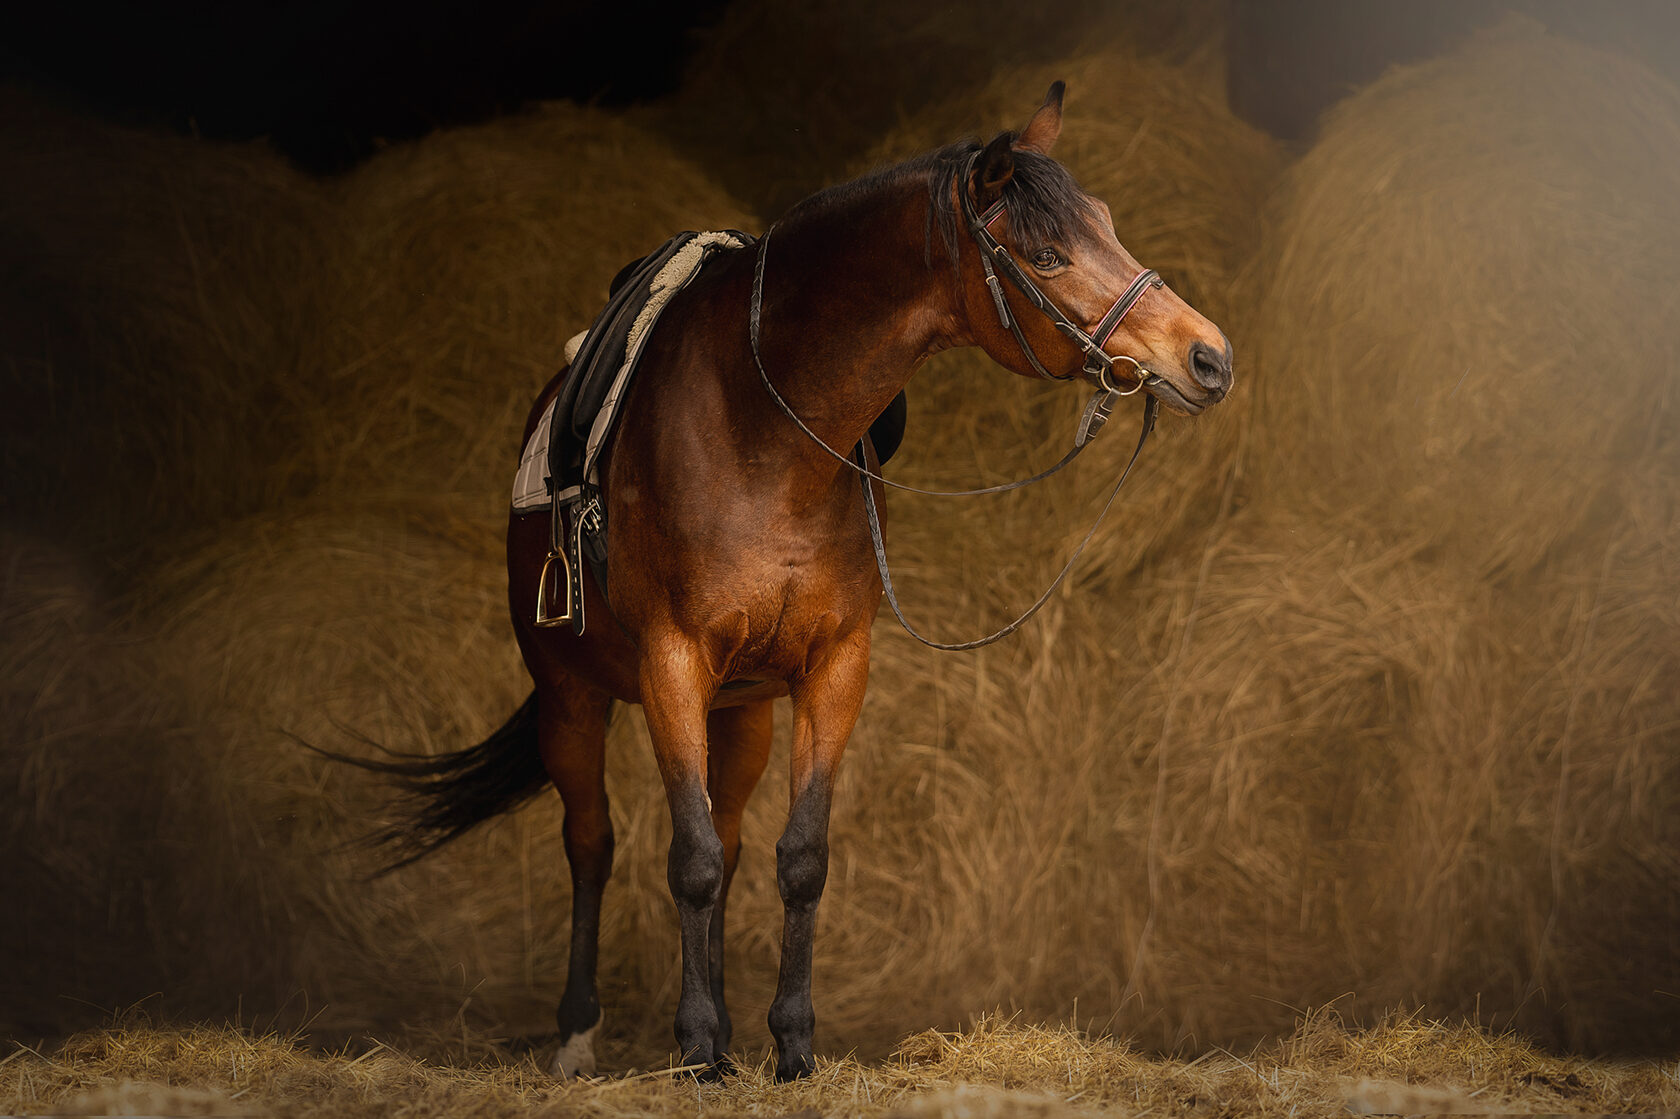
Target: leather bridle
(1098,368)
(995,257)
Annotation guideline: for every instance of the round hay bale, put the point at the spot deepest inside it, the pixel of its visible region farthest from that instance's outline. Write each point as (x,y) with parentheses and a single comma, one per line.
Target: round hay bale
(1466,299)
(155,294)
(809,78)
(1467,237)
(119,884)
(200,330)
(475,253)
(346,625)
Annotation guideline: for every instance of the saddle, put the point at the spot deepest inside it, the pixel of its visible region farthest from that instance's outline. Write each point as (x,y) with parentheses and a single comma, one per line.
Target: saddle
(565,449)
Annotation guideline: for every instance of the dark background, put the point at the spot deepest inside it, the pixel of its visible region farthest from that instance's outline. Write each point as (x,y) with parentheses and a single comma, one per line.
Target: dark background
(328,83)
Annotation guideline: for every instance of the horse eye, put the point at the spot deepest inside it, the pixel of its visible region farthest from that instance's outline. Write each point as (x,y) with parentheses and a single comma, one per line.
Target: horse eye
(1047,259)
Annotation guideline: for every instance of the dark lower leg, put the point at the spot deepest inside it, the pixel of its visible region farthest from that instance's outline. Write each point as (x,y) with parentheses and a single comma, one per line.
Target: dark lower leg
(573,742)
(590,856)
(694,872)
(825,708)
(738,746)
(801,873)
(714,962)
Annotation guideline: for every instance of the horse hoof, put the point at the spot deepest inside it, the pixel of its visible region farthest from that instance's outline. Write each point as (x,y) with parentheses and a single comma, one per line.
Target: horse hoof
(796,1069)
(576,1056)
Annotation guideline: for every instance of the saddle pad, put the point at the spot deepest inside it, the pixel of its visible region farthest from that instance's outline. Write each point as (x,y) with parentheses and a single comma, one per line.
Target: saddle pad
(531,482)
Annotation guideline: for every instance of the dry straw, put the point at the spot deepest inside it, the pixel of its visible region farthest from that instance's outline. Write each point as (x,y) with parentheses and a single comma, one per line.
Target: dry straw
(997,1068)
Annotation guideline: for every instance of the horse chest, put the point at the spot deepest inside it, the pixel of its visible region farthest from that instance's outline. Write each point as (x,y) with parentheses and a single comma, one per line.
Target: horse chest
(777,620)
(765,603)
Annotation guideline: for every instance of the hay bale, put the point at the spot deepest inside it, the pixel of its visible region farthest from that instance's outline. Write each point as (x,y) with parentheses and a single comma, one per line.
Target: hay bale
(326,622)
(220,333)
(155,293)
(1435,274)
(1466,295)
(119,881)
(475,253)
(809,78)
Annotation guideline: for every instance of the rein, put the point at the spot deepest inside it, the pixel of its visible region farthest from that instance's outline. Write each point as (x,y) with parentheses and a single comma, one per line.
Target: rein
(1099,366)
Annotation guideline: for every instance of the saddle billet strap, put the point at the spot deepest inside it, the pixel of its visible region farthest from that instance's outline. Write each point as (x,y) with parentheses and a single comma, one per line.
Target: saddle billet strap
(1150,406)
(753,328)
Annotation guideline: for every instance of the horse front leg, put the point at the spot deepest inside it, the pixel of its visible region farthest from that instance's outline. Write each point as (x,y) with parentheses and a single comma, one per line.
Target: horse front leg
(738,741)
(677,690)
(825,708)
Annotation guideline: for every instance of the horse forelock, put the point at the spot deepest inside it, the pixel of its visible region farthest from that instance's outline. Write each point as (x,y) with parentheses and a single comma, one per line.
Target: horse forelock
(1045,203)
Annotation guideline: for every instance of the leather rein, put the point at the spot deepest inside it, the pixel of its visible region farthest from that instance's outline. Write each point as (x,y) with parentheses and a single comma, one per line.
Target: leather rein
(1098,368)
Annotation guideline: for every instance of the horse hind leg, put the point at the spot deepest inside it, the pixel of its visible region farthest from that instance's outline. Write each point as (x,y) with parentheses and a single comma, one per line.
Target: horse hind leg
(572,733)
(738,747)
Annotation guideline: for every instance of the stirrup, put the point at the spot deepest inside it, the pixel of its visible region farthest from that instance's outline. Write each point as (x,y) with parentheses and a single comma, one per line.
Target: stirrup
(544,619)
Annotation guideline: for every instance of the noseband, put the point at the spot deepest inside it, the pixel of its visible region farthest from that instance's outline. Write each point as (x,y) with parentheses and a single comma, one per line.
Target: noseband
(995,257)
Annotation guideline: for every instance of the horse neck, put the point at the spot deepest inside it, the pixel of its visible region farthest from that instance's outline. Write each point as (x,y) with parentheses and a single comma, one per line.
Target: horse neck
(852,307)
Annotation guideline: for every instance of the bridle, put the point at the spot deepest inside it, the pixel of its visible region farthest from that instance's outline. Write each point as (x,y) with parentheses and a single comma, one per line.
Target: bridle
(1098,368)
(995,257)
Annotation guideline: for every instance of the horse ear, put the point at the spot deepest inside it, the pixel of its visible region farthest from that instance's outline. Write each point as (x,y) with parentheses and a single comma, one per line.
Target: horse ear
(1046,124)
(995,169)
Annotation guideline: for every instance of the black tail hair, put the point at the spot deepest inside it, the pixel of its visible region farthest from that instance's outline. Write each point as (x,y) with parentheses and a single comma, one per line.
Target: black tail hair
(443,796)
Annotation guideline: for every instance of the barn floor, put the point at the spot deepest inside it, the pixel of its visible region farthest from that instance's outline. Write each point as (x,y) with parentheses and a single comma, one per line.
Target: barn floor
(997,1068)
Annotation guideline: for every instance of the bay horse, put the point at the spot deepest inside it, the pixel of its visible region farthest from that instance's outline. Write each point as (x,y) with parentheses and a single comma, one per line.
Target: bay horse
(741,566)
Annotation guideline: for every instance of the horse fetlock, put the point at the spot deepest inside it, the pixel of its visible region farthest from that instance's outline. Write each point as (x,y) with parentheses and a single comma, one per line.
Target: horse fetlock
(792,1023)
(697,1027)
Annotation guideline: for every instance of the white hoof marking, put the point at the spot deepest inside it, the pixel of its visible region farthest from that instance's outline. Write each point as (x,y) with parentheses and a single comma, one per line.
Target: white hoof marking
(577,1056)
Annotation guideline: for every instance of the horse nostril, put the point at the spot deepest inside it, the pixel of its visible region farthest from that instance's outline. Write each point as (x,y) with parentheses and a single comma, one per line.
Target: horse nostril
(1210,368)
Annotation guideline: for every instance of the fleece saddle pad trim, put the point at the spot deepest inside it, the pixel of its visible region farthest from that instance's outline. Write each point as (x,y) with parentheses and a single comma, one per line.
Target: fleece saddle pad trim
(572,433)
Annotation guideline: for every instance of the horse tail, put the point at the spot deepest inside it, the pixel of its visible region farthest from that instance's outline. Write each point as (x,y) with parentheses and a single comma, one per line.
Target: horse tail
(443,796)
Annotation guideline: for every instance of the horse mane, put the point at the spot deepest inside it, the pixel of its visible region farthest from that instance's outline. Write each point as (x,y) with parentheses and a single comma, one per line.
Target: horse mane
(1044,201)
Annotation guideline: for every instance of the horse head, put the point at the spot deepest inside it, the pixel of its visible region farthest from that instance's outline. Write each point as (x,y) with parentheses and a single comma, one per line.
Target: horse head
(1068,298)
